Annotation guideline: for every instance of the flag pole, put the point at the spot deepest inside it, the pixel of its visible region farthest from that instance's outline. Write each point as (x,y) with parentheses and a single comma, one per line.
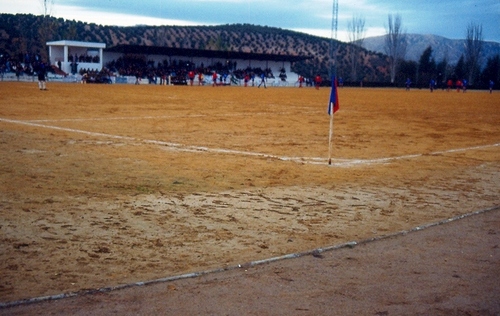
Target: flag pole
(333,106)
(333,73)
(330,138)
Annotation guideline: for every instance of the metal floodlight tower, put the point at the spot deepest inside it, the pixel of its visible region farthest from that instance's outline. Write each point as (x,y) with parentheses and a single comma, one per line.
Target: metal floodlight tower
(333,38)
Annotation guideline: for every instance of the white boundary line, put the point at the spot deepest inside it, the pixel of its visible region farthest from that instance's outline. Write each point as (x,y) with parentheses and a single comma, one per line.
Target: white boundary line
(304,160)
(314,252)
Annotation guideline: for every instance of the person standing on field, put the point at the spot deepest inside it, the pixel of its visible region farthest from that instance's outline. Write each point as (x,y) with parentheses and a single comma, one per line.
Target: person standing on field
(449,84)
(301,81)
(200,78)
(42,74)
(317,81)
(464,85)
(246,79)
(214,79)
(262,80)
(191,77)
(408,84)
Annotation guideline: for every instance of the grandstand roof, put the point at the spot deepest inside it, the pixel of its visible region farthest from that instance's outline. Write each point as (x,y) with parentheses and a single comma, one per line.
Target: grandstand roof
(171,51)
(77,44)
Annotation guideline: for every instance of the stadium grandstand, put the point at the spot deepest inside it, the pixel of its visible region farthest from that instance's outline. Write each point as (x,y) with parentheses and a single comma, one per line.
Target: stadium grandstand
(74,61)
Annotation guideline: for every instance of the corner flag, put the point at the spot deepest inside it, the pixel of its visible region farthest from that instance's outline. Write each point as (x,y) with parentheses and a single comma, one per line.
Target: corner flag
(334,99)
(333,106)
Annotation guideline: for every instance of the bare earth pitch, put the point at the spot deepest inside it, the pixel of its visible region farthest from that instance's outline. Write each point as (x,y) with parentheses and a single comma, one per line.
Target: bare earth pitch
(104,185)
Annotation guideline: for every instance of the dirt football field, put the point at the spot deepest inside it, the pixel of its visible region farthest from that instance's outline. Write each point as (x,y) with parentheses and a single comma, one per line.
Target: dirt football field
(106,186)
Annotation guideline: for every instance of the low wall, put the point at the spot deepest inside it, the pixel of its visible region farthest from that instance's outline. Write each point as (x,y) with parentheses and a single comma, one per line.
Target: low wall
(10,76)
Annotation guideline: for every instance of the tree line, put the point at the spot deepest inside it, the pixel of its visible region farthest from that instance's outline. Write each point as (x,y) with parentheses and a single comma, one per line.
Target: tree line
(427,68)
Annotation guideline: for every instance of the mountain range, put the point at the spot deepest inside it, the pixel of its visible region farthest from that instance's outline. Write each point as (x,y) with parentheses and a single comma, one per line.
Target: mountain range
(451,49)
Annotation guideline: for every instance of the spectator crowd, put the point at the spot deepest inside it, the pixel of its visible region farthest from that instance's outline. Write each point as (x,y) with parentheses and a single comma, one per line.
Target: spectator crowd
(23,64)
(180,71)
(177,71)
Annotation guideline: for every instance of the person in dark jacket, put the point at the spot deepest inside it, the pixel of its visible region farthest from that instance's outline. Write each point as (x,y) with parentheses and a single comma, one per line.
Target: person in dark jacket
(42,74)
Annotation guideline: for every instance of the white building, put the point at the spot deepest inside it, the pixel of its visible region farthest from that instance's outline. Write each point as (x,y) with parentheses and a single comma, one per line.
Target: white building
(79,55)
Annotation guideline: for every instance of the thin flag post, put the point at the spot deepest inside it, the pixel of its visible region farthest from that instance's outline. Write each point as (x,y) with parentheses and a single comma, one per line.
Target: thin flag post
(333,106)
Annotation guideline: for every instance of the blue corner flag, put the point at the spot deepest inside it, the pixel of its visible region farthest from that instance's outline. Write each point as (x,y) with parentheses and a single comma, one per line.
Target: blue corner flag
(334,98)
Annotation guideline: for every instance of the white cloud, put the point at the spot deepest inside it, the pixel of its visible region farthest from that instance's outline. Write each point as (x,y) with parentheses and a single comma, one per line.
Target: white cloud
(308,16)
(21,6)
(316,32)
(109,18)
(342,35)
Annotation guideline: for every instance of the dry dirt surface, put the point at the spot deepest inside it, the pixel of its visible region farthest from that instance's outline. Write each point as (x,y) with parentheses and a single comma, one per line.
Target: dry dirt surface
(450,269)
(103,186)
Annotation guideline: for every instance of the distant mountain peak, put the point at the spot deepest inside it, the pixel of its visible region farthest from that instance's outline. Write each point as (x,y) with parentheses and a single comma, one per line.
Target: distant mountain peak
(442,47)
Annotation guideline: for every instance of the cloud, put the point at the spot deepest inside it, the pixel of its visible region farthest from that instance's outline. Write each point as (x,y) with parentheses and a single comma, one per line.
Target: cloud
(448,18)
(121,19)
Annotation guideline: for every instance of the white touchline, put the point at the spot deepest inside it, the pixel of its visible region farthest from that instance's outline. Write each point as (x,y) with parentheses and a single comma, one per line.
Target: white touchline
(304,160)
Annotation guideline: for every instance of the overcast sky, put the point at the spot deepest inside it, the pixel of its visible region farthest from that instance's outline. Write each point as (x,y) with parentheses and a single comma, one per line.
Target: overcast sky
(448,18)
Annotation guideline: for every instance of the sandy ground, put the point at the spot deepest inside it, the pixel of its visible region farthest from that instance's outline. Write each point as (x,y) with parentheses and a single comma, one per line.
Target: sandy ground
(103,186)
(451,269)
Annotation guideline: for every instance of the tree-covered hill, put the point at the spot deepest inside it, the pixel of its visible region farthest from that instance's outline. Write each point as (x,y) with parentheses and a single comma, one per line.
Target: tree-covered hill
(22,33)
